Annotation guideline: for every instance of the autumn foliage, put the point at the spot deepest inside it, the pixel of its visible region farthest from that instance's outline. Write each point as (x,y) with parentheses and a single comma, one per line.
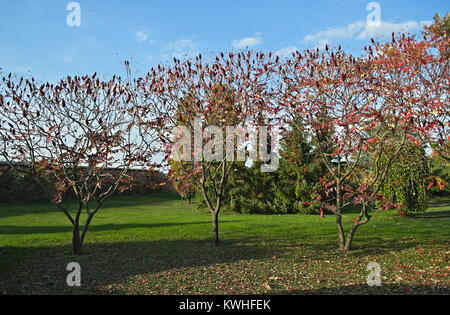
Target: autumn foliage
(87,133)
(80,135)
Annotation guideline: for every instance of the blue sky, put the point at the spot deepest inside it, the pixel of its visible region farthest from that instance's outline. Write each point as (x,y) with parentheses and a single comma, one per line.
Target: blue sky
(36,39)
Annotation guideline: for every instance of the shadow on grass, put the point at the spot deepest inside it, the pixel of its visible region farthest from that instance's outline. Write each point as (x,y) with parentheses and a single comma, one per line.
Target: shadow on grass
(364,289)
(328,249)
(43,269)
(14,229)
(439,202)
(432,215)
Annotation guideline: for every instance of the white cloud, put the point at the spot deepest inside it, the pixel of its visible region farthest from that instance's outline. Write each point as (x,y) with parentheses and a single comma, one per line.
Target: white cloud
(285,52)
(180,48)
(247,41)
(361,30)
(141,36)
(339,32)
(385,29)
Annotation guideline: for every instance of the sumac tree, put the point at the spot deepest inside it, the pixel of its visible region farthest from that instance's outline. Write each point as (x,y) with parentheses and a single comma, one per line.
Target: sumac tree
(80,135)
(349,107)
(207,97)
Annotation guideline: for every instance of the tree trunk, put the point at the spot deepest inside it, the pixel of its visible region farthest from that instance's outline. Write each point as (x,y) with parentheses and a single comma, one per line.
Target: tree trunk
(76,241)
(356,225)
(348,244)
(340,231)
(215,217)
(339,217)
(85,228)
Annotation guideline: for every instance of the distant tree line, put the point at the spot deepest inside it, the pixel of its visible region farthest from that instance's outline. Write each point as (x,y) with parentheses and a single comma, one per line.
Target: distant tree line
(17,186)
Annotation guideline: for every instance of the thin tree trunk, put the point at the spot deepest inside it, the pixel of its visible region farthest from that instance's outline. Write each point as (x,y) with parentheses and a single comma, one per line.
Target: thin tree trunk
(356,225)
(339,217)
(85,228)
(215,216)
(348,244)
(76,242)
(340,231)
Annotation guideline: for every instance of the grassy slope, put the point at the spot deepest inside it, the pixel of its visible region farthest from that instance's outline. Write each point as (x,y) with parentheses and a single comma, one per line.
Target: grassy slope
(158,245)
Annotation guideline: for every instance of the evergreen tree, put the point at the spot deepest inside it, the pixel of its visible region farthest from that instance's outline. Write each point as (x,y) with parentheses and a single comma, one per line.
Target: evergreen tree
(407,179)
(298,175)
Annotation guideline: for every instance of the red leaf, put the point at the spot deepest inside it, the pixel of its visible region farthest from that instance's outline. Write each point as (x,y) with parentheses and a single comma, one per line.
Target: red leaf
(356,221)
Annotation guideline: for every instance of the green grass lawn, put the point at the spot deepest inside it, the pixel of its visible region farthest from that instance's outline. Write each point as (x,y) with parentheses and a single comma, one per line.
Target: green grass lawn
(158,244)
